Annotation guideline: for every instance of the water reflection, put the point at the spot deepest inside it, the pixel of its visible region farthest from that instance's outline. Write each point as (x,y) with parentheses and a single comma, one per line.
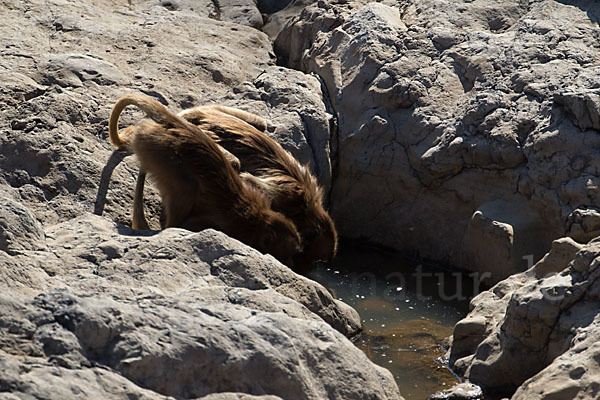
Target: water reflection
(408,312)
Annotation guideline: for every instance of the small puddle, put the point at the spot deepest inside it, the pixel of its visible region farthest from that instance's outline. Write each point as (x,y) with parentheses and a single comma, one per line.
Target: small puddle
(408,311)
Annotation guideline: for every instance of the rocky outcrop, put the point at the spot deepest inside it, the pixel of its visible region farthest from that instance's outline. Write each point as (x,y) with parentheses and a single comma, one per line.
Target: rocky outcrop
(534,334)
(172,313)
(463,131)
(474,123)
(93,309)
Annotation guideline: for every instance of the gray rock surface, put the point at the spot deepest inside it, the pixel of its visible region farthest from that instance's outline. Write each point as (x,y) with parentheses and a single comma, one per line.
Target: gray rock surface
(534,335)
(92,309)
(172,313)
(237,396)
(461,391)
(243,12)
(462,131)
(446,107)
(281,16)
(584,224)
(19,230)
(78,59)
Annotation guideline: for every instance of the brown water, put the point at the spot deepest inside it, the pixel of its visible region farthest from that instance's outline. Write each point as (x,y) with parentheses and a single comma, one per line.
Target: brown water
(408,312)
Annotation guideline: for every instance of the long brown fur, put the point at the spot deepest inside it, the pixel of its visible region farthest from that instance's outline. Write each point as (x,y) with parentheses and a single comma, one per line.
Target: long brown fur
(199,185)
(292,189)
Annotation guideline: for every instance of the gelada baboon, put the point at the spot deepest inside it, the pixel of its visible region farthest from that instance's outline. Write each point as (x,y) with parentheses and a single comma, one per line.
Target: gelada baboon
(290,186)
(199,186)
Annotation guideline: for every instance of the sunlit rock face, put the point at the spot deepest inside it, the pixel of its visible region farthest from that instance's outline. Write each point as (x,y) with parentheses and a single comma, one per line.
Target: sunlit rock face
(534,335)
(465,132)
(171,313)
(91,309)
(446,108)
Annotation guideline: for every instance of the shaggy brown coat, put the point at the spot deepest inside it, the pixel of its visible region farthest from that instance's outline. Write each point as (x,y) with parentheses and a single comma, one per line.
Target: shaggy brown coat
(290,186)
(199,186)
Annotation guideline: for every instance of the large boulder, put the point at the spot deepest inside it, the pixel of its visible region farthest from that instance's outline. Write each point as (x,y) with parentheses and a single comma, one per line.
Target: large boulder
(448,108)
(173,313)
(534,335)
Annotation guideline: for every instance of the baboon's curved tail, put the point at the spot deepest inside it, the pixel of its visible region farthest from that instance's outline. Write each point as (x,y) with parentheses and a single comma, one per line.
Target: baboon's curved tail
(158,113)
(152,108)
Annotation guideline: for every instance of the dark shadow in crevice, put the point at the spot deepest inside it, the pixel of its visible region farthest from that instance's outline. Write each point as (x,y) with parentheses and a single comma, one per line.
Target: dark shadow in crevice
(271,6)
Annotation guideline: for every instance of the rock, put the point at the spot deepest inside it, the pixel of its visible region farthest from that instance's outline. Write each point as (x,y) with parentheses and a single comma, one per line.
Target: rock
(531,335)
(237,396)
(562,252)
(73,70)
(462,391)
(177,314)
(186,350)
(33,378)
(107,244)
(205,8)
(501,233)
(93,309)
(584,107)
(584,224)
(244,12)
(491,241)
(447,107)
(489,307)
(573,375)
(18,88)
(281,12)
(468,334)
(19,230)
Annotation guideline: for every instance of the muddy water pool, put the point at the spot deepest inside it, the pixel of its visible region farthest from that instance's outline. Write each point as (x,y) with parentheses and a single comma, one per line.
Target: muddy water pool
(408,311)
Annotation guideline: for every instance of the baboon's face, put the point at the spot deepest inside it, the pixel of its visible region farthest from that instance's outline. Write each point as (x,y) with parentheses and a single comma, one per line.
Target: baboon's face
(320,242)
(280,238)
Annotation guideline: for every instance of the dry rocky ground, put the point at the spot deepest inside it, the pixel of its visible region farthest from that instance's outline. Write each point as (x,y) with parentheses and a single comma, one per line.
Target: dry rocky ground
(460,131)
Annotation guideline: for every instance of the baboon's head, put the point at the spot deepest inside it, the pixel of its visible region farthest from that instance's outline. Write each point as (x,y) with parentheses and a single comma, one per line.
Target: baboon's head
(319,238)
(279,237)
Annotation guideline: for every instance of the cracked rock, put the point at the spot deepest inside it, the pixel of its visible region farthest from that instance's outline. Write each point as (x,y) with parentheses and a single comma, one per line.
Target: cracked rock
(532,335)
(444,106)
(175,314)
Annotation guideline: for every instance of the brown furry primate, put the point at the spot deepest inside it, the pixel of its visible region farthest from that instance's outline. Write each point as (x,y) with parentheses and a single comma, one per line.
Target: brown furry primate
(199,186)
(290,186)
